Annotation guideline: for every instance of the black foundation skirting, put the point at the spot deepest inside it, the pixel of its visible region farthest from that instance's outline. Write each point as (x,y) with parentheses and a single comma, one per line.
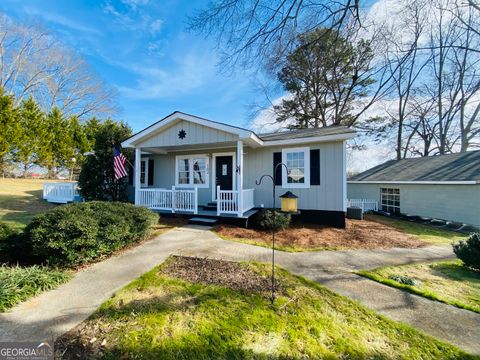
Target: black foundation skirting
(322,217)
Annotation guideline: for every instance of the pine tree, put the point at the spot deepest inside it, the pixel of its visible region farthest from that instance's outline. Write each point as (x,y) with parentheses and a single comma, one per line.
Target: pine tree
(9,129)
(324,76)
(32,131)
(97,177)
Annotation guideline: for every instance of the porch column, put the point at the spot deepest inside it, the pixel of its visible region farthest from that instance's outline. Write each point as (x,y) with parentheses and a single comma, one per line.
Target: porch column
(239,172)
(138,156)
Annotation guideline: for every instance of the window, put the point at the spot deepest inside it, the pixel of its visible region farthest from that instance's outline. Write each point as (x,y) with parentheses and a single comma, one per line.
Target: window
(298,164)
(192,170)
(183,172)
(199,171)
(143,172)
(390,200)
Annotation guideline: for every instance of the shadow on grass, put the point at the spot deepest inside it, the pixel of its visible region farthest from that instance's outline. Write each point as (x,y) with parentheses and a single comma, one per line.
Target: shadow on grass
(19,210)
(206,322)
(455,271)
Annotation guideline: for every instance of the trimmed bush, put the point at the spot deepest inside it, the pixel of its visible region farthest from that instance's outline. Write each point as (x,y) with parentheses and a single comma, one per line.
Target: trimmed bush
(76,234)
(265,220)
(469,251)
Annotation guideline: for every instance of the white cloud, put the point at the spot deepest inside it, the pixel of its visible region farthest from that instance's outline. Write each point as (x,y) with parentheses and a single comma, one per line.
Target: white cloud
(61,20)
(155,26)
(135,3)
(190,71)
(266,119)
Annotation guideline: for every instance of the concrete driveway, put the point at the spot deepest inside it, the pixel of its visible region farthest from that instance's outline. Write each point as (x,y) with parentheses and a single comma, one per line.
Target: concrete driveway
(55,312)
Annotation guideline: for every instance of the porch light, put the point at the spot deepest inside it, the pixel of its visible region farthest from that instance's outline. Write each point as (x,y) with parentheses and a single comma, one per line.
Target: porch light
(289,202)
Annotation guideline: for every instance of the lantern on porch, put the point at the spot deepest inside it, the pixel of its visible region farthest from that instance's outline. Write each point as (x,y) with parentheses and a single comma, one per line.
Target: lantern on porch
(289,202)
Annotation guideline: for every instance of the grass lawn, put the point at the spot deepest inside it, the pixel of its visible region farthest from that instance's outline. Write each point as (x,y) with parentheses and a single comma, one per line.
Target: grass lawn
(21,200)
(446,281)
(200,309)
(426,233)
(19,283)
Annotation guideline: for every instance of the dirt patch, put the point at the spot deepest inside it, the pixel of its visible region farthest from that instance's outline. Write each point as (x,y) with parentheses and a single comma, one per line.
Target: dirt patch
(228,274)
(358,234)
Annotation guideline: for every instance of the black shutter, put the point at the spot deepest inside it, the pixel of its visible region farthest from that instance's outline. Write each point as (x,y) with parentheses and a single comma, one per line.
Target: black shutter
(315,167)
(130,174)
(277,159)
(150,172)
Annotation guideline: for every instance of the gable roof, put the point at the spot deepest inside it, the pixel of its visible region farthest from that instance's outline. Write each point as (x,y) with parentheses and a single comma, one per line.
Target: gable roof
(178,115)
(441,168)
(331,133)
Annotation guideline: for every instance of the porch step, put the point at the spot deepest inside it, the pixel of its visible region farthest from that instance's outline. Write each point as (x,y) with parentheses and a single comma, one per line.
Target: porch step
(210,206)
(203,221)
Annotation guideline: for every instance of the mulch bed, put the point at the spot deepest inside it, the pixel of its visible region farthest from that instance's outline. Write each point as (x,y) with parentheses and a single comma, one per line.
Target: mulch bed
(358,234)
(228,274)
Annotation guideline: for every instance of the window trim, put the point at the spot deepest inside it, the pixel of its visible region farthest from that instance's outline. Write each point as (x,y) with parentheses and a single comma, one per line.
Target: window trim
(306,184)
(190,166)
(390,206)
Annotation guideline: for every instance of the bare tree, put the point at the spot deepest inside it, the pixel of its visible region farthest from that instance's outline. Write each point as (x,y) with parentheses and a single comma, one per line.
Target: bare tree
(436,77)
(262,31)
(34,63)
(406,64)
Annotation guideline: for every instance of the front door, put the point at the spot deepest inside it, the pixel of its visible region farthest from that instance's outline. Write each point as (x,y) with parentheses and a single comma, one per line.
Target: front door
(224,172)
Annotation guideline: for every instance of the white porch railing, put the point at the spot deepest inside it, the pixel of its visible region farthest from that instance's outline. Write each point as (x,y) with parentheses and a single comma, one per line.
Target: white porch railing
(247,199)
(61,192)
(183,200)
(229,201)
(365,204)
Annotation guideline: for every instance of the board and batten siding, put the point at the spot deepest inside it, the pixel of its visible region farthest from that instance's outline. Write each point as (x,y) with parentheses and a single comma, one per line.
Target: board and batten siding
(329,195)
(195,134)
(454,202)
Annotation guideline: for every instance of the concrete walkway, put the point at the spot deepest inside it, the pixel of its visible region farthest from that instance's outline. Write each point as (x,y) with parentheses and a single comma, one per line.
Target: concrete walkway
(55,312)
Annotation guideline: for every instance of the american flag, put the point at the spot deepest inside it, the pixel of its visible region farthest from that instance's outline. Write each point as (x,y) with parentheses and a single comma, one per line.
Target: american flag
(119,161)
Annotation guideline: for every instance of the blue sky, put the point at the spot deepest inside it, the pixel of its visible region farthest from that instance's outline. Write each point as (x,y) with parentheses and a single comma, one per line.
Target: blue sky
(142,48)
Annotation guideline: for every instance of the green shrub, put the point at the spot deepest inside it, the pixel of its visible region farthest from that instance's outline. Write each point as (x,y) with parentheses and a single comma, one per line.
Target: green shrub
(469,251)
(265,220)
(76,234)
(7,241)
(19,283)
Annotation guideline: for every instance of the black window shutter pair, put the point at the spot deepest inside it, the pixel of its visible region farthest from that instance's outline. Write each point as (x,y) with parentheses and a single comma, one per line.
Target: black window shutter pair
(314,167)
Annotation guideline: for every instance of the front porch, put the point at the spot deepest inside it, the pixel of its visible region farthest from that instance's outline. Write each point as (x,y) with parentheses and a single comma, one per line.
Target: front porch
(229,203)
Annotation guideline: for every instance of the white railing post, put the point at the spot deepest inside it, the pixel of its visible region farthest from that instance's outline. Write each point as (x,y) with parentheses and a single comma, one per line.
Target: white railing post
(219,200)
(239,172)
(174,200)
(195,201)
(138,154)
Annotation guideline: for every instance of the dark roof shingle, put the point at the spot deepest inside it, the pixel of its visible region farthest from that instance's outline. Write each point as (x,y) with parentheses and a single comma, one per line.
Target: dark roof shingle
(453,167)
(305,133)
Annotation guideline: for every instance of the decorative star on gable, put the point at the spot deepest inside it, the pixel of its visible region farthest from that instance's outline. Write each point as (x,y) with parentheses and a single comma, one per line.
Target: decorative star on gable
(182,134)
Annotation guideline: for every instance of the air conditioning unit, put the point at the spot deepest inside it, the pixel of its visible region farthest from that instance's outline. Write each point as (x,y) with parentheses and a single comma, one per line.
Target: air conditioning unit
(354,212)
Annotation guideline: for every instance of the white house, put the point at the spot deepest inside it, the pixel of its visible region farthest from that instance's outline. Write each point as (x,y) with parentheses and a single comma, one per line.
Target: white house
(191,165)
(443,187)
